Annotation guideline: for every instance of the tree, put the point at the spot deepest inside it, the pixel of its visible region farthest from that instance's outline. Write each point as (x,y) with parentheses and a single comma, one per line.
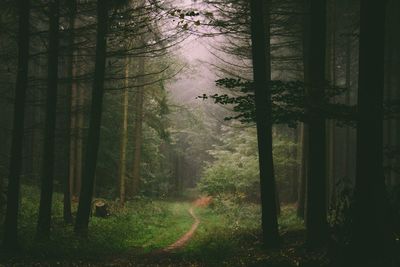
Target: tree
(46,193)
(67,214)
(372,234)
(89,169)
(11,220)
(138,125)
(316,222)
(301,202)
(262,75)
(124,135)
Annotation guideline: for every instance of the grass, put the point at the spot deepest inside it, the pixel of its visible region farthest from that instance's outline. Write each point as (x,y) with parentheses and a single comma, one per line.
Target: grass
(228,235)
(141,226)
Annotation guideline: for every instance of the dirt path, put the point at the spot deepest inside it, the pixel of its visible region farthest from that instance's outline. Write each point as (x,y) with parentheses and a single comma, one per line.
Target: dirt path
(185,238)
(182,241)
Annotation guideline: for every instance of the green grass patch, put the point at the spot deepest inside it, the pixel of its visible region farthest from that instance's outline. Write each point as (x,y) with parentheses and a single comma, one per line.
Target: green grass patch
(139,227)
(230,235)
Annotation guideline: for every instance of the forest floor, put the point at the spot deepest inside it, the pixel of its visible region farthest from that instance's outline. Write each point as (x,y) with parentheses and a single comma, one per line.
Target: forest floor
(220,233)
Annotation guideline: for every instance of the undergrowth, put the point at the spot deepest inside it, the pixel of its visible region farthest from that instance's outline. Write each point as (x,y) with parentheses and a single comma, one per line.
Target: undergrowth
(229,235)
(139,227)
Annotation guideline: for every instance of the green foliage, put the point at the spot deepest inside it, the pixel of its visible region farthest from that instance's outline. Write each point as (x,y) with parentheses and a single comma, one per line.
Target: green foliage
(288,101)
(288,219)
(229,235)
(234,171)
(142,225)
(235,168)
(193,133)
(340,211)
(222,229)
(155,168)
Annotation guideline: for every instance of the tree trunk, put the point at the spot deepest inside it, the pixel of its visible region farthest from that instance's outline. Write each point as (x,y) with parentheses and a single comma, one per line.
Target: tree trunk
(316,223)
(260,36)
(89,170)
(331,77)
(178,174)
(301,206)
(295,169)
(124,135)
(67,214)
(394,7)
(46,193)
(138,130)
(80,103)
(11,221)
(347,102)
(391,88)
(372,234)
(73,134)
(301,203)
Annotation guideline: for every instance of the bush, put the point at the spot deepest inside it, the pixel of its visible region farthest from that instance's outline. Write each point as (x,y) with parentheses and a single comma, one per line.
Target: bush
(235,169)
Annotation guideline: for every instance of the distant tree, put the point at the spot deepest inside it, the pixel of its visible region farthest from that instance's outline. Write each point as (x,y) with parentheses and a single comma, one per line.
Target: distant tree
(138,128)
(67,214)
(11,220)
(124,135)
(301,202)
(260,29)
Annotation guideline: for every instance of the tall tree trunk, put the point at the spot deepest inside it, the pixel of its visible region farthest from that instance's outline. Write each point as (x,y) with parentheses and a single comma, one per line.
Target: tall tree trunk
(372,235)
(80,104)
(394,7)
(177,174)
(73,134)
(89,170)
(46,193)
(11,221)
(347,102)
(316,223)
(124,135)
(67,214)
(138,129)
(301,203)
(295,169)
(391,93)
(260,36)
(331,77)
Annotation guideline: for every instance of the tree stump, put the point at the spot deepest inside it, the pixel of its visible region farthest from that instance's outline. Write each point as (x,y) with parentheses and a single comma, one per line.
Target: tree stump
(101,209)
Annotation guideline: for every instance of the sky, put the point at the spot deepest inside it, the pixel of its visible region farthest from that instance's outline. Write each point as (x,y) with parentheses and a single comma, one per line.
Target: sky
(197,76)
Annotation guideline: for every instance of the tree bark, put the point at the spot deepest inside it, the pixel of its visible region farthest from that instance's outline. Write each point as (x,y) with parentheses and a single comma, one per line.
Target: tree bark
(124,135)
(301,203)
(10,240)
(46,193)
(73,133)
(260,36)
(89,170)
(138,130)
(67,214)
(316,224)
(80,103)
(347,102)
(331,124)
(295,170)
(372,235)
